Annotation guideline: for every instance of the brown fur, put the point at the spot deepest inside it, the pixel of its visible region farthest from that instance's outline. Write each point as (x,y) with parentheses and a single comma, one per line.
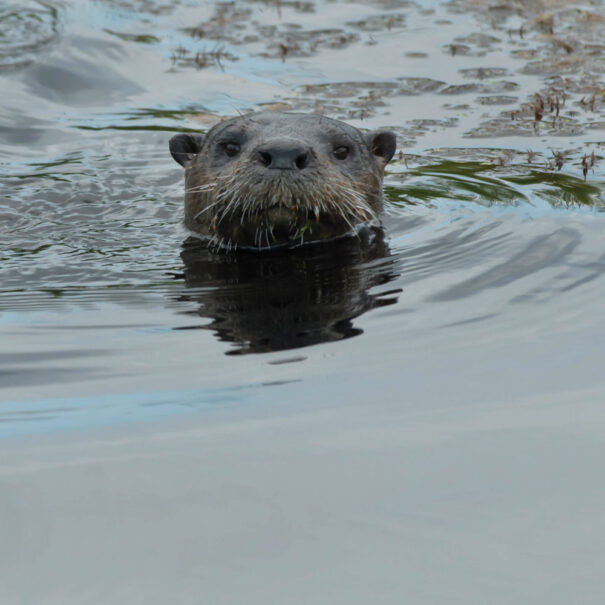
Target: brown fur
(240,203)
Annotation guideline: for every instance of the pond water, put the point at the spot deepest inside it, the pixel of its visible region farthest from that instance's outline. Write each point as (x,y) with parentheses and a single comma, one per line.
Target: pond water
(421,419)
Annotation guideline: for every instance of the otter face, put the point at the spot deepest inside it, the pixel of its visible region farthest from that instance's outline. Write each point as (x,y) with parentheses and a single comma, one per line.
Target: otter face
(276,179)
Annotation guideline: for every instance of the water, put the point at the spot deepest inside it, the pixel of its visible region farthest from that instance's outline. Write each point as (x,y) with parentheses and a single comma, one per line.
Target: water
(417,419)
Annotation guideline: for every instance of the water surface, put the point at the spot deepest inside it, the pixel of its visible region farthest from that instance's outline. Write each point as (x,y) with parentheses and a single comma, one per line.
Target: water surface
(420,419)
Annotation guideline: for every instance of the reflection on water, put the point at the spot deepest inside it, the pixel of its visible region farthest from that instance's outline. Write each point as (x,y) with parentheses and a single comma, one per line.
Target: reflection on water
(274,302)
(91,204)
(542,252)
(27,29)
(438,391)
(495,181)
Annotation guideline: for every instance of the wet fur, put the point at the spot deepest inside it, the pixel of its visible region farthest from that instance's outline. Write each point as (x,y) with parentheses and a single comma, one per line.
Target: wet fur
(222,206)
(240,204)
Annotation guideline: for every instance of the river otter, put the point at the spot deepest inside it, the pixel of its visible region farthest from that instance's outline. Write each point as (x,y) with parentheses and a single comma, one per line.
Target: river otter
(273,179)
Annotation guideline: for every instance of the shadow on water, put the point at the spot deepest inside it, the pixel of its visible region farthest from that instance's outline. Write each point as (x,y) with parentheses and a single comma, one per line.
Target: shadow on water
(274,302)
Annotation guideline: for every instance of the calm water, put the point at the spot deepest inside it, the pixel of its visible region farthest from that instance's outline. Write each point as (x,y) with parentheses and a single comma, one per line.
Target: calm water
(423,417)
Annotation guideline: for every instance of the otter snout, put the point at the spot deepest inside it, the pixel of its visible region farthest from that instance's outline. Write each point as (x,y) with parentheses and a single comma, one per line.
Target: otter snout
(283,154)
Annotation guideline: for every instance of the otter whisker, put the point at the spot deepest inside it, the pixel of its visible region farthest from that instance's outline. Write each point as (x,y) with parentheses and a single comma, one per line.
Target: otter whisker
(203,210)
(225,211)
(206,187)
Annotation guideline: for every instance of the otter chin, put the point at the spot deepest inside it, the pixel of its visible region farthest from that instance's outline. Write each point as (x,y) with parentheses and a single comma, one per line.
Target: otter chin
(272,179)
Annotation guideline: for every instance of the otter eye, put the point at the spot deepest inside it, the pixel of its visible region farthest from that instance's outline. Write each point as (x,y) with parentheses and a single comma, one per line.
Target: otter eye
(341,153)
(231,149)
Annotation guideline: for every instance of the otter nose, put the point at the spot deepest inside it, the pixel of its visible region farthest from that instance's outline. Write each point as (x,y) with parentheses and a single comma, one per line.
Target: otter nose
(283,155)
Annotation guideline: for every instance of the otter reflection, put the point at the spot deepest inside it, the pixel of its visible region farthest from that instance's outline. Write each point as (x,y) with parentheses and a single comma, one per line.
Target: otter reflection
(275,302)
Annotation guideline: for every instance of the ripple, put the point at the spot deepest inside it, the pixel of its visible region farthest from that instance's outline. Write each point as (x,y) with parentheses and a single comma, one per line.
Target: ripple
(92,218)
(26,29)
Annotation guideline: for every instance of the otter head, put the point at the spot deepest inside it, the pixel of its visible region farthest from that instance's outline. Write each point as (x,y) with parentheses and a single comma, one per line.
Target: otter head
(273,179)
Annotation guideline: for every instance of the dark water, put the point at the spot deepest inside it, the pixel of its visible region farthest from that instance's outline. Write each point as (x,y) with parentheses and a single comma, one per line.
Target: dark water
(481,307)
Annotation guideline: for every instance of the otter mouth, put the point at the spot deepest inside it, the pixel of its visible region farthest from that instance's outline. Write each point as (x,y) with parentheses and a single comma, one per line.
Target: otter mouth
(279,226)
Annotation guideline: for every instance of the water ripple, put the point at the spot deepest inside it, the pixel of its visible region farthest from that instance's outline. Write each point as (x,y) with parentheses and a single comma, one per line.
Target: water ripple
(26,30)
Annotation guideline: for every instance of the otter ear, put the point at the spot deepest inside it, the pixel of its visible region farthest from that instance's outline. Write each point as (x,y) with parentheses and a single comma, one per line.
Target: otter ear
(382,143)
(184,147)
